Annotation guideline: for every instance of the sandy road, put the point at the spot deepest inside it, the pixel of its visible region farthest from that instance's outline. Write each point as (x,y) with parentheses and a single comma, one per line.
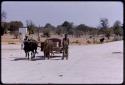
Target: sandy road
(102,63)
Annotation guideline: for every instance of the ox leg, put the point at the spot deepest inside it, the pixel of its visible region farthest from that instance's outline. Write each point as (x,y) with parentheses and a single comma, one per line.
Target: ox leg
(32,55)
(44,55)
(66,54)
(48,55)
(63,55)
(28,54)
(25,54)
(67,57)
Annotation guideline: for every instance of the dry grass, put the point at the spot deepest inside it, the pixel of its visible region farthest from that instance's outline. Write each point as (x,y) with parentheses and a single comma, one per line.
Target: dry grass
(9,39)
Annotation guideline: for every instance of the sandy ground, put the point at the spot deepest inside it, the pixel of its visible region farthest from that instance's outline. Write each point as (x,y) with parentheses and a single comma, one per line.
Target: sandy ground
(87,64)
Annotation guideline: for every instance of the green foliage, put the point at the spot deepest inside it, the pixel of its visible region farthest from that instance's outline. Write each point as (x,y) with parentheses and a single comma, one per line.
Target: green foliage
(11,26)
(78,33)
(108,32)
(59,31)
(31,30)
(50,27)
(16,34)
(68,27)
(46,32)
(65,27)
(117,28)
(3,15)
(104,28)
(82,27)
(15,25)
(31,27)
(5,26)
(104,23)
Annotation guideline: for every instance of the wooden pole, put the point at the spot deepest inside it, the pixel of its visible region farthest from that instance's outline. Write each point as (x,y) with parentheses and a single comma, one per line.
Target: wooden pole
(38,33)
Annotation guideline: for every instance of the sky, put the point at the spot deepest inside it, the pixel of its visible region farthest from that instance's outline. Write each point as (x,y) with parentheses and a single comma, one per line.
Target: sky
(56,12)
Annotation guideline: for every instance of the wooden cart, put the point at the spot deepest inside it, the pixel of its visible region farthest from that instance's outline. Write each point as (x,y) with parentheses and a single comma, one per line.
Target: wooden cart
(57,46)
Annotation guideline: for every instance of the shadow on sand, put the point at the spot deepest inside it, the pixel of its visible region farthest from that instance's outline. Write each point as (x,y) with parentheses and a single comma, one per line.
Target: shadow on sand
(38,58)
(117,52)
(16,59)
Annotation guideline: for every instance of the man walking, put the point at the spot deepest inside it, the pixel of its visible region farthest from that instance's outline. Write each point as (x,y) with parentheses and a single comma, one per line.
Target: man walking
(65,47)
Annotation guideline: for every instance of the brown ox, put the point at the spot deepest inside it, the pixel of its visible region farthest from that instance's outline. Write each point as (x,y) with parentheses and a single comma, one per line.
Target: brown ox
(48,48)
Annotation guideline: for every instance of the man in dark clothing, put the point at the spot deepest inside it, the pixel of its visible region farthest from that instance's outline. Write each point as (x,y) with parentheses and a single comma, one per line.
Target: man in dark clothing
(26,38)
(65,46)
(26,46)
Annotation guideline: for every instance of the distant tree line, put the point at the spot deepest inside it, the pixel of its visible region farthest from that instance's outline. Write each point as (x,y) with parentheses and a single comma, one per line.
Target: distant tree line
(65,27)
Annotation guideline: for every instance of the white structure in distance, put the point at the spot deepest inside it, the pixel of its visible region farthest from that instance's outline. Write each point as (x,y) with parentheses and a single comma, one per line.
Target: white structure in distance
(22,33)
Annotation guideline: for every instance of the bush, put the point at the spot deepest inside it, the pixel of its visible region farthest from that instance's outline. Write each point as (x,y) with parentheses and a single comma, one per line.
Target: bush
(88,41)
(46,33)
(76,42)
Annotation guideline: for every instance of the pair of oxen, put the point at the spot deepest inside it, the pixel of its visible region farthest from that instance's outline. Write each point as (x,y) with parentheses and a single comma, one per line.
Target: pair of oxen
(31,46)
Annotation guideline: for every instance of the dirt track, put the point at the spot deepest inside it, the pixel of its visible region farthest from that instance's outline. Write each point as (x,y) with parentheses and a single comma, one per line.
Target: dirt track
(101,63)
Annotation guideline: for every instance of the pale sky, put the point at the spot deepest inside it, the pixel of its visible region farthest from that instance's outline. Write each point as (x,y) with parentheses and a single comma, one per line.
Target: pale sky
(56,12)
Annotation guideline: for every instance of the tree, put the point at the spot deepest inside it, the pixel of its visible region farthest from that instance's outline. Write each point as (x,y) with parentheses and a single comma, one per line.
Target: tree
(59,30)
(80,27)
(104,23)
(77,33)
(50,27)
(46,32)
(104,28)
(117,28)
(31,27)
(14,27)
(5,26)
(83,28)
(67,27)
(3,15)
(93,31)
(108,33)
